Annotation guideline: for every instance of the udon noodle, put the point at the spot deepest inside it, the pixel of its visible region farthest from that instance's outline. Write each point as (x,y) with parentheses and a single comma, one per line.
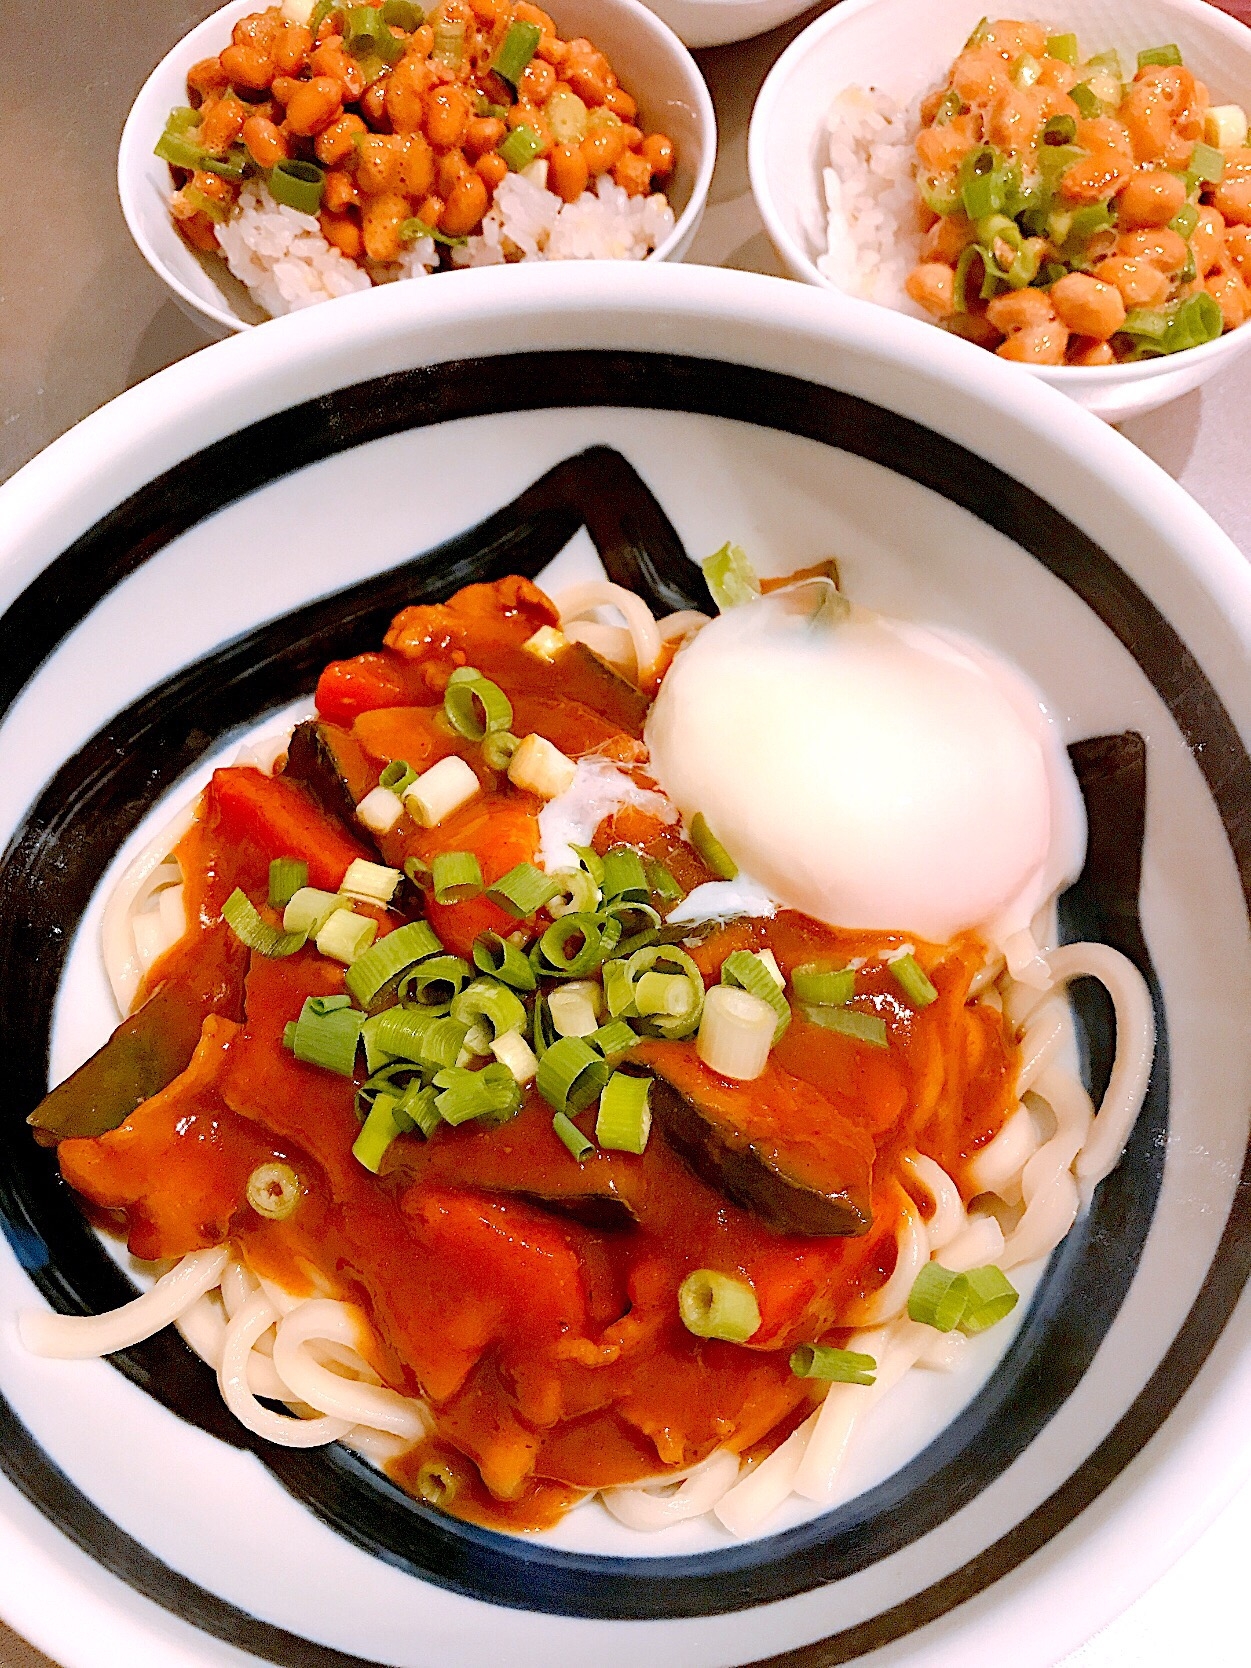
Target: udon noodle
(313,1354)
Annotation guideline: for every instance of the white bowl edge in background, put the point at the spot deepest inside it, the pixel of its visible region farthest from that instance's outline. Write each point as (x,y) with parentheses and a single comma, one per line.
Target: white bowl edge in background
(649,57)
(906,47)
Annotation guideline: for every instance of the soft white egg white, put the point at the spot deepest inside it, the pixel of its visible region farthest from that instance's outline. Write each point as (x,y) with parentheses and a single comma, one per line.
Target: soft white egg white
(870,772)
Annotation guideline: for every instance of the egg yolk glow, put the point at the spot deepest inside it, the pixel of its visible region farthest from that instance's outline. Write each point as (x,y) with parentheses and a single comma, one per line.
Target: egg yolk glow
(869,772)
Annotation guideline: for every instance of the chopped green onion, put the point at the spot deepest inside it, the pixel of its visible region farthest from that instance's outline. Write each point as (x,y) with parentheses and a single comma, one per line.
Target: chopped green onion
(964,265)
(591,861)
(983,176)
(574,1008)
(371,882)
(664,995)
(1025,70)
(979,34)
(418,1106)
(624,875)
(244,920)
(940,192)
(402,14)
(457,877)
(488,999)
(520,148)
(498,747)
(411,229)
(1063,48)
(434,983)
(503,960)
(523,890)
(1174,328)
(1087,101)
(492,1092)
(286,876)
(398,776)
(991,1296)
(950,106)
(829,987)
(1185,221)
(913,980)
(571,1074)
(716,858)
(613,1040)
(579,1146)
(542,1031)
(839,1366)
(714,1305)
(578,893)
(1207,164)
(449,43)
(388,958)
(666,957)
(1059,130)
(327,1034)
(730,577)
(850,1022)
(298,184)
(321,11)
(1054,160)
(344,936)
(938,1297)
(182,119)
(379,1130)
(624,1120)
(417,1034)
(201,200)
(750,973)
(638,922)
(1164,55)
(516,50)
(474,706)
(366,35)
(576,945)
(660,883)
(273,1191)
(391,1077)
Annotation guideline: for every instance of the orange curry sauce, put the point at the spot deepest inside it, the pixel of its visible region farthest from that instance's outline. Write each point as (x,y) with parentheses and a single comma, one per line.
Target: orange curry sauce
(552,1353)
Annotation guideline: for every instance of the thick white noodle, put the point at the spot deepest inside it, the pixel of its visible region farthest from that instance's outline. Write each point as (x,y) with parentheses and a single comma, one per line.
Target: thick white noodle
(1044,1035)
(264,753)
(1135,1049)
(122,960)
(233,1376)
(611,643)
(895,1350)
(979,1244)
(758,1495)
(580,600)
(912,1252)
(80,1337)
(204,1327)
(684,624)
(326,1320)
(658,1504)
(997,1168)
(1048,1185)
(949,1218)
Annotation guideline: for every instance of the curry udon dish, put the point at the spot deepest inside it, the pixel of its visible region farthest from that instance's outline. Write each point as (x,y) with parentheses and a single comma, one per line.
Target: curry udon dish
(602,1059)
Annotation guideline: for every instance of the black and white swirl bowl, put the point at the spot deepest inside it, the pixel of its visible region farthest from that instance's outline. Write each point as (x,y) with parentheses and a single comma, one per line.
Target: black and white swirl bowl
(1012,1508)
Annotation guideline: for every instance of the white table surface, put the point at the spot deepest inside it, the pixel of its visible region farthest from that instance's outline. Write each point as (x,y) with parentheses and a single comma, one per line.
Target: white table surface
(73,334)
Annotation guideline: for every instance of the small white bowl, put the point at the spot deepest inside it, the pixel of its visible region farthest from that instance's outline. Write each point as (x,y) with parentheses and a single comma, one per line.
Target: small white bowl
(905,47)
(644,51)
(718,22)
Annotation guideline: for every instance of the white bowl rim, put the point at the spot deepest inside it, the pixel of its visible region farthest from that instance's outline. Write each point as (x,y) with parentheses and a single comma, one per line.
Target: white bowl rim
(1074,1585)
(137,140)
(772,90)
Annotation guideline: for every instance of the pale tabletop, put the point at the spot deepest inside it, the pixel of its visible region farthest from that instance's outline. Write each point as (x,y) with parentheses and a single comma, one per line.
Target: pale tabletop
(76,331)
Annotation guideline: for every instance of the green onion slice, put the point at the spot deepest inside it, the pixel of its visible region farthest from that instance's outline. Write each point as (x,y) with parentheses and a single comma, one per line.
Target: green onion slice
(1059,130)
(370,882)
(730,577)
(503,960)
(913,980)
(488,999)
(660,882)
(850,1022)
(746,970)
(716,858)
(398,776)
(830,987)
(402,14)
(991,1296)
(624,875)
(516,50)
(576,945)
(983,176)
(838,1366)
(714,1305)
(523,890)
(286,876)
(1064,48)
(666,957)
(492,1093)
(416,1034)
(578,1144)
(624,1120)
(388,958)
(1088,102)
(367,35)
(938,1297)
(420,1108)
(542,1031)
(392,1077)
(273,1191)
(298,184)
(321,11)
(520,148)
(578,893)
(1172,329)
(1185,221)
(1206,164)
(498,748)
(457,877)
(613,1040)
(244,920)
(1163,55)
(380,1129)
(327,1034)
(434,983)
(591,861)
(449,43)
(571,1074)
(475,707)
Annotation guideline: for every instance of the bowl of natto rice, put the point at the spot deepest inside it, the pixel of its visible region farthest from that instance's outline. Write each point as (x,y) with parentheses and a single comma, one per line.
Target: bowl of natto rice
(275,259)
(831,152)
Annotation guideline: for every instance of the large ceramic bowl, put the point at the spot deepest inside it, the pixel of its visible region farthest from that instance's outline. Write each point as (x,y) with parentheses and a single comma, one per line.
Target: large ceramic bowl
(905,47)
(647,55)
(150,564)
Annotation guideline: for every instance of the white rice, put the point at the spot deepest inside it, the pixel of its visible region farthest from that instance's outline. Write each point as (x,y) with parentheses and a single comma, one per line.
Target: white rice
(286,262)
(873,239)
(528,222)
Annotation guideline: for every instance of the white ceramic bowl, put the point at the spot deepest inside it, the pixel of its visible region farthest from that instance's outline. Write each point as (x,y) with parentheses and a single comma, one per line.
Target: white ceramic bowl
(905,47)
(1001,1513)
(717,22)
(645,52)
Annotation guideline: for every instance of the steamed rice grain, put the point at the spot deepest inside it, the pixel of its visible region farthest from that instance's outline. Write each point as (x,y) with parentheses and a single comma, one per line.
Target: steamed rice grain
(873,239)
